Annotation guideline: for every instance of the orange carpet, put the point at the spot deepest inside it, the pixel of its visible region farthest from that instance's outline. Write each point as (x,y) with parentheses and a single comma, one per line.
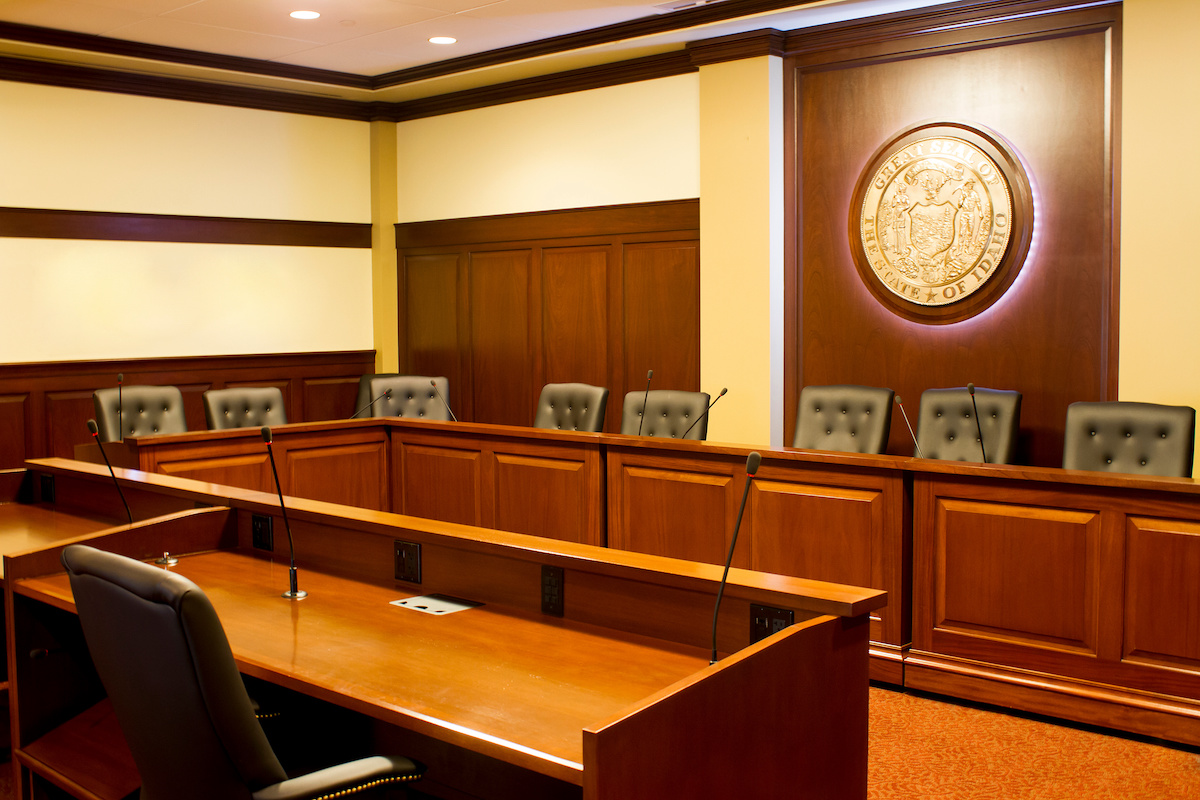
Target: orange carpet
(922,748)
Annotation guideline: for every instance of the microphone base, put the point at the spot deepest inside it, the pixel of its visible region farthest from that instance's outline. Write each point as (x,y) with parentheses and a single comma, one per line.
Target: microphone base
(167,560)
(299,594)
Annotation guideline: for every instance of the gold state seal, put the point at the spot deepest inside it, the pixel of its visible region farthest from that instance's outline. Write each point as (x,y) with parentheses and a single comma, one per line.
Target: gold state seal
(936,220)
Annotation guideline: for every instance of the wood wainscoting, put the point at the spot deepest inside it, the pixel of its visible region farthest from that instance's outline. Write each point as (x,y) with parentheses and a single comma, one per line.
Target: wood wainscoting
(44,407)
(503,305)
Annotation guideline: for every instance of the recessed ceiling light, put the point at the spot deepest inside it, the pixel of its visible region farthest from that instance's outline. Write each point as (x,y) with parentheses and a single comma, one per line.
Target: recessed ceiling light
(443,40)
(305,14)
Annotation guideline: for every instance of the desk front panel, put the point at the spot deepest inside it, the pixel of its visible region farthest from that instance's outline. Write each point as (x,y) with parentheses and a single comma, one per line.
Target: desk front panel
(513,479)
(1092,590)
(826,519)
(338,465)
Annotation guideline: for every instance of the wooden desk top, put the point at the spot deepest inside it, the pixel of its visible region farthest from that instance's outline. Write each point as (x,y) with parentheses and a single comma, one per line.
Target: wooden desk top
(29,527)
(510,685)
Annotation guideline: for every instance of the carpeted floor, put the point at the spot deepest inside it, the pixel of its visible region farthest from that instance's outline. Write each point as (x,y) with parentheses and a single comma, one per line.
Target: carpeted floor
(926,749)
(922,748)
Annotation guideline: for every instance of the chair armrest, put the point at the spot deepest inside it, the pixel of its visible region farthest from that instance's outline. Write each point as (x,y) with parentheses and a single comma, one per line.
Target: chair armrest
(344,779)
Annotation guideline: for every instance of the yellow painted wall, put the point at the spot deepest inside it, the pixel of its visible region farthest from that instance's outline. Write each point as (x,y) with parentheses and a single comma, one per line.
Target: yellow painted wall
(620,144)
(97,151)
(1160,175)
(741,239)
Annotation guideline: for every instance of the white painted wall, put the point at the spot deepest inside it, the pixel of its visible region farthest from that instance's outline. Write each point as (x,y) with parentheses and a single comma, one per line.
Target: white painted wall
(633,143)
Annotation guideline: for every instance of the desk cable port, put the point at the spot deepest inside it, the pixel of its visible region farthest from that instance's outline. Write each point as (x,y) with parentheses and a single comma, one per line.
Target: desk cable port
(552,590)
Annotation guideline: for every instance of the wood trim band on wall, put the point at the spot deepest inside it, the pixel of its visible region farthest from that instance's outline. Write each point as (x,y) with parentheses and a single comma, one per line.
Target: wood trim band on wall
(178,365)
(633,218)
(41,223)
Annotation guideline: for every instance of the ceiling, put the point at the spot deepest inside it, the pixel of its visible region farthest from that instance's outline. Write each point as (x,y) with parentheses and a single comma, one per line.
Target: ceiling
(365,39)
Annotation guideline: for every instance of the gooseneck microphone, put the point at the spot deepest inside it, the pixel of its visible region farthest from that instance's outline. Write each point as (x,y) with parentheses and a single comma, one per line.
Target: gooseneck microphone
(978,427)
(292,593)
(91,423)
(705,414)
(900,403)
(387,393)
(752,462)
(120,408)
(433,383)
(645,399)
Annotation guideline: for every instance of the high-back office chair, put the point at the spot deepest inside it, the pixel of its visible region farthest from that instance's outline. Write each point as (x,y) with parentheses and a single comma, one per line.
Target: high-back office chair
(571,407)
(364,392)
(849,419)
(142,411)
(412,396)
(946,427)
(244,407)
(1142,438)
(162,655)
(669,414)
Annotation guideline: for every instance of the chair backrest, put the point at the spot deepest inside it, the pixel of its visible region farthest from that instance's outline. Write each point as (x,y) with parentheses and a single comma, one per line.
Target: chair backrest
(143,411)
(1142,438)
(669,413)
(244,407)
(163,658)
(364,392)
(412,396)
(946,427)
(571,407)
(850,419)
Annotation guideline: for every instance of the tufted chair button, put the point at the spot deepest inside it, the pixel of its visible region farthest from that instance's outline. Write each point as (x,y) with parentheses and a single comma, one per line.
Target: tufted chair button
(1162,435)
(938,413)
(1108,461)
(1091,433)
(1128,434)
(950,438)
(828,431)
(1143,462)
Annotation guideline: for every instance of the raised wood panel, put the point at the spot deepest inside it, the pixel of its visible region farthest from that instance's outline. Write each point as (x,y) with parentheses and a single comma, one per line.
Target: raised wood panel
(575,314)
(688,515)
(246,470)
(1018,573)
(543,496)
(441,483)
(351,474)
(67,414)
(817,532)
(430,326)
(501,366)
(661,286)
(1162,606)
(14,427)
(328,398)
(1052,335)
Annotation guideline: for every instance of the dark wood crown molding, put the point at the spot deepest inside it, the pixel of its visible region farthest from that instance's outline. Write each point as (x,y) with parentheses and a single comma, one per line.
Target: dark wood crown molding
(41,223)
(738,46)
(640,69)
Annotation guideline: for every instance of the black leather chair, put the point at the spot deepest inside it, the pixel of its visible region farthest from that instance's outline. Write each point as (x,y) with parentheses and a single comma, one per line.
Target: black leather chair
(669,414)
(1141,438)
(571,407)
(845,418)
(162,655)
(946,427)
(412,396)
(244,407)
(142,411)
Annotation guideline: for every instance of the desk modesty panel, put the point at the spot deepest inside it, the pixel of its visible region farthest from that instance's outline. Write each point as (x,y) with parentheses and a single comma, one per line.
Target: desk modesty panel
(1067,593)
(615,698)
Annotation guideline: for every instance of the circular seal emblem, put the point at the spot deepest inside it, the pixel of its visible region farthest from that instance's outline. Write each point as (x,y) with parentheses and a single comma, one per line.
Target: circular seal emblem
(936,220)
(941,221)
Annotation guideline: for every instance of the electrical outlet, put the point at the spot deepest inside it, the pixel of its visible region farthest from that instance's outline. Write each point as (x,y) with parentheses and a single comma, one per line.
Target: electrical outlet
(47,488)
(765,621)
(552,590)
(261,534)
(408,561)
